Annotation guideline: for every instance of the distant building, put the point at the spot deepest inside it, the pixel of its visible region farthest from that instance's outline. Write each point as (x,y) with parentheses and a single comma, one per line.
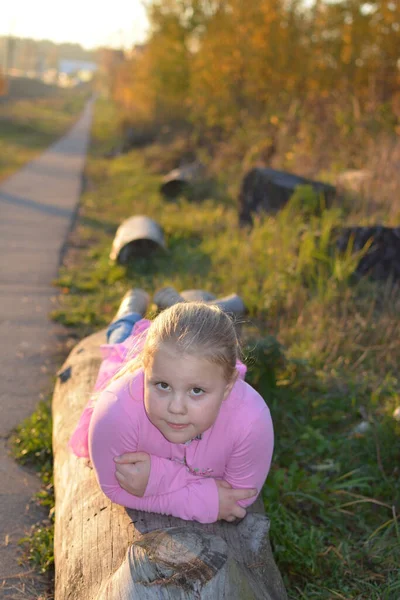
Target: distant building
(73,72)
(71,67)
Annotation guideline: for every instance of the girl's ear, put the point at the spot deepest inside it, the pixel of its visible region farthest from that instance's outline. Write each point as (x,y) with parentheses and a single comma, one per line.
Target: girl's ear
(229,386)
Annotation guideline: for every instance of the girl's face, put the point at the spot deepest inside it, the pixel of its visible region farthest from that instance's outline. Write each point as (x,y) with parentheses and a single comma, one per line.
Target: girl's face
(183,394)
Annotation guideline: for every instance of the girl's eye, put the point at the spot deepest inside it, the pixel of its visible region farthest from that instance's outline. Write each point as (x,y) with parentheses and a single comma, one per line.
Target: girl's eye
(197,391)
(162,386)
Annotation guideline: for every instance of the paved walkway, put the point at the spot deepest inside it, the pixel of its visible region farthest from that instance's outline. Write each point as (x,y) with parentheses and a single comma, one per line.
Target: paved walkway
(37,207)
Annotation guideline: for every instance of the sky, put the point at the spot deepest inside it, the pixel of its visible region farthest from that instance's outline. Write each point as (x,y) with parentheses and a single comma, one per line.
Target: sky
(91,23)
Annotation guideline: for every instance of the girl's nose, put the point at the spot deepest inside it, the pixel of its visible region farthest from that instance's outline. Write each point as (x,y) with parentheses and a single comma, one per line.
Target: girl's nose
(177,405)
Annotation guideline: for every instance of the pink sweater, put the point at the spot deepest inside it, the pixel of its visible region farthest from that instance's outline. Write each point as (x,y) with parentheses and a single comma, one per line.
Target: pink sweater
(238,448)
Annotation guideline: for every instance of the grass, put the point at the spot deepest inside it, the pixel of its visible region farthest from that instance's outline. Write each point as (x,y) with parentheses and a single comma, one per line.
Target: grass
(322,349)
(31,445)
(29,126)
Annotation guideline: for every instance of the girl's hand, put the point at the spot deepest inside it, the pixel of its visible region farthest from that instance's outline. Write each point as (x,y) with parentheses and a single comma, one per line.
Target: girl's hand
(132,472)
(229,509)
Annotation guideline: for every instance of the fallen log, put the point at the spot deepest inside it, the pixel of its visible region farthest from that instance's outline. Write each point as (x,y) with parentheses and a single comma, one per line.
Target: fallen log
(267,190)
(356,182)
(232,304)
(381,260)
(136,236)
(106,552)
(178,180)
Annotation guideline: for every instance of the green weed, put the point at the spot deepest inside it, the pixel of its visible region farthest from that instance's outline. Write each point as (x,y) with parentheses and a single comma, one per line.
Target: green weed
(31,445)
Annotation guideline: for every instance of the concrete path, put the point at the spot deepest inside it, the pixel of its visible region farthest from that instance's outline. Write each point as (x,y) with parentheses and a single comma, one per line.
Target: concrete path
(37,206)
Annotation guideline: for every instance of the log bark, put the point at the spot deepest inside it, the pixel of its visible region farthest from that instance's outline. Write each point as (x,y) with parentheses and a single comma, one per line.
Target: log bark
(106,552)
(136,236)
(354,182)
(265,190)
(168,296)
(381,260)
(177,180)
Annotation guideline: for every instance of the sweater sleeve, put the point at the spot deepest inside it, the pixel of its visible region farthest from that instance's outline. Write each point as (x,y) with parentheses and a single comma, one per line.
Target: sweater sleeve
(112,432)
(168,476)
(249,464)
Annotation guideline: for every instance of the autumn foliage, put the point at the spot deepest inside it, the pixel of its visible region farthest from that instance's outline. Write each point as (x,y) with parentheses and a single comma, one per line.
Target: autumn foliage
(226,64)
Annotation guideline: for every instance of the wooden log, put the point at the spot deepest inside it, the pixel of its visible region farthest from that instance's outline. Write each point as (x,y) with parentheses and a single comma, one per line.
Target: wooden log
(354,182)
(136,236)
(106,552)
(166,297)
(381,260)
(268,190)
(177,180)
(198,296)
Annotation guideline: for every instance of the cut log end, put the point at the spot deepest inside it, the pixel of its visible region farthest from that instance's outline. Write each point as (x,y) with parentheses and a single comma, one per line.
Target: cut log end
(178,554)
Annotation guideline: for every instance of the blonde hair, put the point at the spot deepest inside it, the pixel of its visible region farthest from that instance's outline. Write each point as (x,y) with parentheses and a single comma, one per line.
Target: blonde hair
(192,328)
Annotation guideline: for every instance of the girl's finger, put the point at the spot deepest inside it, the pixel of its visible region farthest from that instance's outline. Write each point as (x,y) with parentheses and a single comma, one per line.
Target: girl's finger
(131,457)
(141,456)
(240,512)
(224,484)
(243,494)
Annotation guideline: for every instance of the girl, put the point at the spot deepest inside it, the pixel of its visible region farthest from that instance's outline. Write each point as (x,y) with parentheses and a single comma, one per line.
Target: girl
(178,431)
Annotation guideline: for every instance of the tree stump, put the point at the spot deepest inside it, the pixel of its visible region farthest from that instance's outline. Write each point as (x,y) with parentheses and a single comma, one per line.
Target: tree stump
(267,190)
(106,552)
(382,258)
